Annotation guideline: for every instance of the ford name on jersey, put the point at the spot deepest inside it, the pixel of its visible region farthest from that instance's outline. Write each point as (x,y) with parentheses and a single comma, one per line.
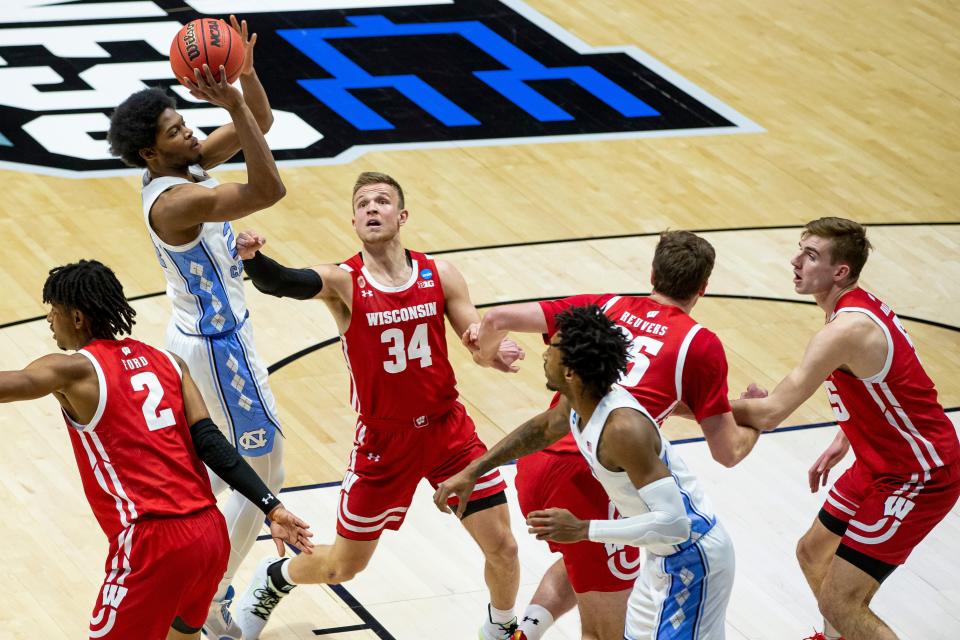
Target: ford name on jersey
(344,77)
(393,316)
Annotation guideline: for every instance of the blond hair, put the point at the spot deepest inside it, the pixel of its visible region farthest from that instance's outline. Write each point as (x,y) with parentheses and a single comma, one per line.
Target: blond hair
(367,178)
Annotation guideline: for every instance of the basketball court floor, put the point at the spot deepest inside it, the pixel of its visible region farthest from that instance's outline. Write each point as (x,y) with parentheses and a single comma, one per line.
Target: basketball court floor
(789,111)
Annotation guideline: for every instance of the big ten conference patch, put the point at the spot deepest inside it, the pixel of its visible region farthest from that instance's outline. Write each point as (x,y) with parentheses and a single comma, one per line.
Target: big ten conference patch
(343,77)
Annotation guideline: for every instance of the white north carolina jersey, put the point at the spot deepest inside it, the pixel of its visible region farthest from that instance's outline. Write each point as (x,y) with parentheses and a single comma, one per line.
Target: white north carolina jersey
(683,590)
(204,276)
(623,494)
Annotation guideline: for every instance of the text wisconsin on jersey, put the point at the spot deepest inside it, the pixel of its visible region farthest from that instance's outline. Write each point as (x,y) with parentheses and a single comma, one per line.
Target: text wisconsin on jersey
(393,316)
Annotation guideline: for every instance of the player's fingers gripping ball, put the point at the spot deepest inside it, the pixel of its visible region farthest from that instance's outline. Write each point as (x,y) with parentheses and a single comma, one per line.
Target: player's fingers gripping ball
(209,41)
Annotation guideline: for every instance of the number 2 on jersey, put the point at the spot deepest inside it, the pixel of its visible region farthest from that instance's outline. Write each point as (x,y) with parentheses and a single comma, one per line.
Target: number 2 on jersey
(417,349)
(155,420)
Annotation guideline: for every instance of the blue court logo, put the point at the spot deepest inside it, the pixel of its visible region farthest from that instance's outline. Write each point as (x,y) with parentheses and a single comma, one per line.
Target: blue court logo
(341,81)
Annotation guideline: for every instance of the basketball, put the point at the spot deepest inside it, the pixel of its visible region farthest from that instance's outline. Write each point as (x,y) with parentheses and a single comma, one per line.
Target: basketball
(208,41)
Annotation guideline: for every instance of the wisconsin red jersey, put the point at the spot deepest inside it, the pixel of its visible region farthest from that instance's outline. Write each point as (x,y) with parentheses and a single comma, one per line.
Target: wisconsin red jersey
(396,347)
(663,340)
(893,419)
(136,456)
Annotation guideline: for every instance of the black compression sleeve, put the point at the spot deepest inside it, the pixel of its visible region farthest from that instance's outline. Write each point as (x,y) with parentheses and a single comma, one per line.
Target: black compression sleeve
(218,454)
(272,278)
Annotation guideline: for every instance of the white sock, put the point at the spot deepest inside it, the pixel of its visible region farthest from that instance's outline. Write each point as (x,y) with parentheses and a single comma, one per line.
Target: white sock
(829,631)
(501,616)
(285,572)
(536,620)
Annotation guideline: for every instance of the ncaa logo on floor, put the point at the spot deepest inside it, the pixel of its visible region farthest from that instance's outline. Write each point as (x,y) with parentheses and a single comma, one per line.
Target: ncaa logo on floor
(341,80)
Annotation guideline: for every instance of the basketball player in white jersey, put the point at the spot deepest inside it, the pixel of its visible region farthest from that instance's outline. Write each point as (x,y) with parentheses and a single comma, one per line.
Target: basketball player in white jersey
(674,363)
(684,586)
(188,214)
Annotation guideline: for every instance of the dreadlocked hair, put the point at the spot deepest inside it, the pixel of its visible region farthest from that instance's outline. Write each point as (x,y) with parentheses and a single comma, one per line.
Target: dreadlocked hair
(92,288)
(593,346)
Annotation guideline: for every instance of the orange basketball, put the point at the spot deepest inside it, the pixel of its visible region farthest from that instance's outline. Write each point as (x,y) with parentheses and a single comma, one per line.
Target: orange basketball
(206,41)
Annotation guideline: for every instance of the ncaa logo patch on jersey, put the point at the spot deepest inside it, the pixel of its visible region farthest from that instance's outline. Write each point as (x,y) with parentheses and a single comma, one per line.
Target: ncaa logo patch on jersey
(341,80)
(426,274)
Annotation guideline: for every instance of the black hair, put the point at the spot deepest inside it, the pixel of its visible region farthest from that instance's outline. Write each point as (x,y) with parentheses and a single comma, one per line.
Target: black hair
(91,288)
(133,125)
(593,346)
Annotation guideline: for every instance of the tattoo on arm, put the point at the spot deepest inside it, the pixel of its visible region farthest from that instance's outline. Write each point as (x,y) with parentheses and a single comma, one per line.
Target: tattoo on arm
(533,435)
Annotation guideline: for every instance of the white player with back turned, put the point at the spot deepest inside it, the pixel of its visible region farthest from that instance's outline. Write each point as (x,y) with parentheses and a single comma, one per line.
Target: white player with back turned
(188,214)
(685,584)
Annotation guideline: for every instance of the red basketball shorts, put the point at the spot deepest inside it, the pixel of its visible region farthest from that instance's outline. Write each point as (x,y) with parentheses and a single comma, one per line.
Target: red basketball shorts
(564,481)
(158,570)
(387,464)
(887,516)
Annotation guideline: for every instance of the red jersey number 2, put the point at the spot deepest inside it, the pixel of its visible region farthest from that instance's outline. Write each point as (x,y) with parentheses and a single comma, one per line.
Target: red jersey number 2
(155,419)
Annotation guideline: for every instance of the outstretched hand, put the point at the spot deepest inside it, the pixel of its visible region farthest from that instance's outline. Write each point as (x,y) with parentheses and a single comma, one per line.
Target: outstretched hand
(220,93)
(817,474)
(288,528)
(249,42)
(248,243)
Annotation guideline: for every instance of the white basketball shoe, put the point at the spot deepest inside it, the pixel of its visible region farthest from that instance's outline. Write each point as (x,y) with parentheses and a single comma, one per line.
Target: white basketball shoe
(258,601)
(220,625)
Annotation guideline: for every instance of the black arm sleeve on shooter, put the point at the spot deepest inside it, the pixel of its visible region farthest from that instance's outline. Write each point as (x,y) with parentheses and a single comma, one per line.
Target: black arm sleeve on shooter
(218,454)
(274,279)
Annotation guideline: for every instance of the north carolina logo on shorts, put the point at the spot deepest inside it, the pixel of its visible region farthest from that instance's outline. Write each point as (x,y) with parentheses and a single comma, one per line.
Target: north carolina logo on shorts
(255,439)
(342,80)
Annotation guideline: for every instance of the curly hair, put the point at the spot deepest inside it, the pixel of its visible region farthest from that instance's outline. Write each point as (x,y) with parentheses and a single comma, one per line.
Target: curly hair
(92,288)
(593,346)
(133,125)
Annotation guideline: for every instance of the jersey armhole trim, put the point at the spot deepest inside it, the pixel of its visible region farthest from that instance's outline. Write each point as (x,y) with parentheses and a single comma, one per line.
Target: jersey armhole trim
(682,360)
(180,248)
(881,375)
(101,402)
(173,361)
(609,303)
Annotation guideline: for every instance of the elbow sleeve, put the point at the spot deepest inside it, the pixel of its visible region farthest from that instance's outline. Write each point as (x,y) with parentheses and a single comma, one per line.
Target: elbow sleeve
(272,278)
(222,458)
(665,524)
